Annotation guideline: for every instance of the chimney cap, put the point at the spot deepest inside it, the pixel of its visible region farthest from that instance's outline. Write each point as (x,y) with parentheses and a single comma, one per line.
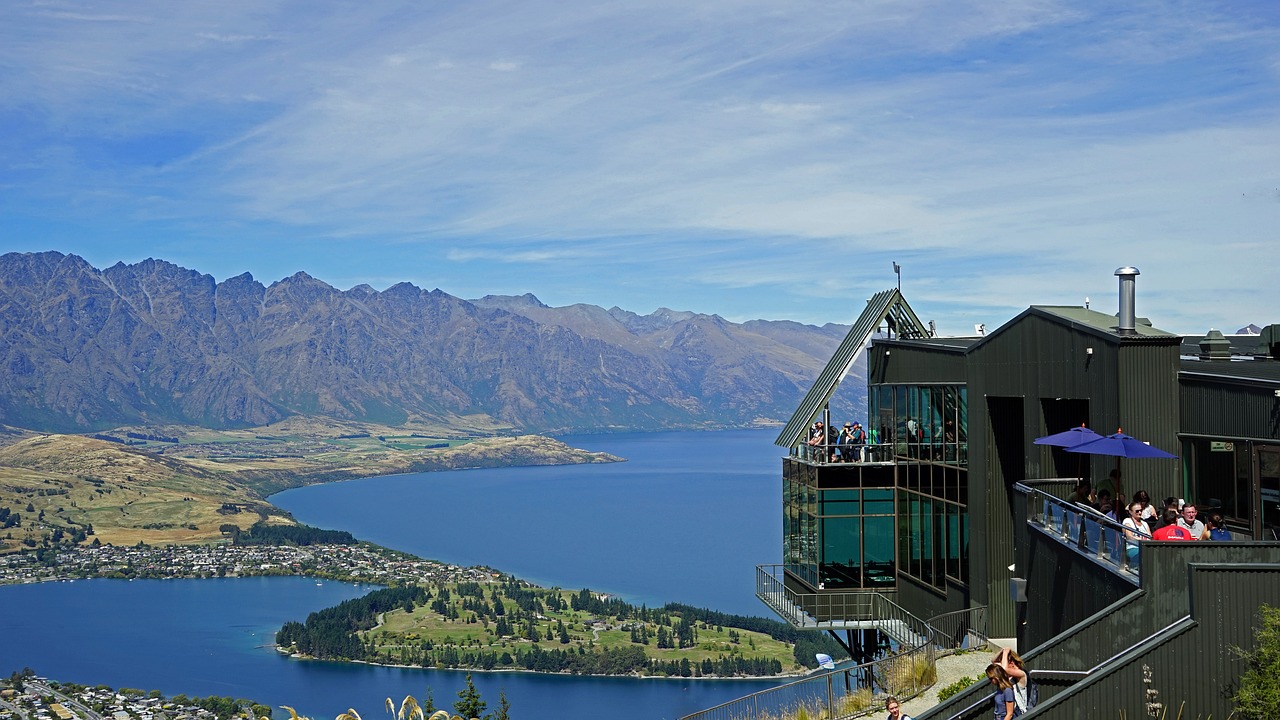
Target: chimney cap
(1127,270)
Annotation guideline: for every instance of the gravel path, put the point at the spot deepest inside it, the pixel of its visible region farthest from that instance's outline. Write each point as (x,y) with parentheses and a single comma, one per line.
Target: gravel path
(950,669)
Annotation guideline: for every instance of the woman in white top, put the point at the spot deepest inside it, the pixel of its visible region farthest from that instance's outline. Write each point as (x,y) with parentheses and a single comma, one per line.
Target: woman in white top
(1135,530)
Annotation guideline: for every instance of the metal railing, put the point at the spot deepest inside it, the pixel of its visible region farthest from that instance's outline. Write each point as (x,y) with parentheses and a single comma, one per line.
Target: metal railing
(962,630)
(825,610)
(1088,531)
(883,453)
(850,692)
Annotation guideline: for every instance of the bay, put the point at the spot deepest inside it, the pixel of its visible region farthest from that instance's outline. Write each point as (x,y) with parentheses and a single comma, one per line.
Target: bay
(685,519)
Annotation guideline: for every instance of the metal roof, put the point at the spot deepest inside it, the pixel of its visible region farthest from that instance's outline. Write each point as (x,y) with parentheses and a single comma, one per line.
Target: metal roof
(886,305)
(1102,322)
(1261,371)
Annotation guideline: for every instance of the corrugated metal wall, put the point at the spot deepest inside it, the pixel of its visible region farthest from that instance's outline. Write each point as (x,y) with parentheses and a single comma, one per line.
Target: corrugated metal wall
(1225,410)
(1172,636)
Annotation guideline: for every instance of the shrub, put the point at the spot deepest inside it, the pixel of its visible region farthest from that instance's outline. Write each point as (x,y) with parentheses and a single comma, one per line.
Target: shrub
(956,687)
(1258,695)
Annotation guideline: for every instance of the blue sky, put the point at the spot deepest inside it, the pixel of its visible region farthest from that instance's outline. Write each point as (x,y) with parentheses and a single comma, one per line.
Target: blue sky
(752,158)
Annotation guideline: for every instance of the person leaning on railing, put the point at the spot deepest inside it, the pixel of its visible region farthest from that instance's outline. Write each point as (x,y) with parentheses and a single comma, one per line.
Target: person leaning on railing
(1135,530)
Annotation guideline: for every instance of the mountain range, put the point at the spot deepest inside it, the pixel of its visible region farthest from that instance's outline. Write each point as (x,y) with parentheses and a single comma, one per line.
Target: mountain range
(152,343)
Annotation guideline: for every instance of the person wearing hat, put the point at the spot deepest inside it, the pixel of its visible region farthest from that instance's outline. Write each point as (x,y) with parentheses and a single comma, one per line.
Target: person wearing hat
(859,442)
(847,452)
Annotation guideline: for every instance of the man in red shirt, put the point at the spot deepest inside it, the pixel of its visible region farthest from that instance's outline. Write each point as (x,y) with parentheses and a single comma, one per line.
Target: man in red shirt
(1171,530)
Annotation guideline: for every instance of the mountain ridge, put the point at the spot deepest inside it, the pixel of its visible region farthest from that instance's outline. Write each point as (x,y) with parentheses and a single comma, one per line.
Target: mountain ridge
(155,343)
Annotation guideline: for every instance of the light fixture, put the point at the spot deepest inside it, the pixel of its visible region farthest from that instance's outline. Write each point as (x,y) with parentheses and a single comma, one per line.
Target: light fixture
(1088,351)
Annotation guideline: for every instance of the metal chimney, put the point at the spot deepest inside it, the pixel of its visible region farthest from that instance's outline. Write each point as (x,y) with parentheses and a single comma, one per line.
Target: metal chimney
(1128,316)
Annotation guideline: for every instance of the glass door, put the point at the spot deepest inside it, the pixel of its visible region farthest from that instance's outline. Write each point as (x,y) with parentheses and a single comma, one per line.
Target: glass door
(1269,492)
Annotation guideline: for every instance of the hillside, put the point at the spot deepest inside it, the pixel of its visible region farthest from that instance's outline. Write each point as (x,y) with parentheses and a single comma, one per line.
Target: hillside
(184,487)
(153,344)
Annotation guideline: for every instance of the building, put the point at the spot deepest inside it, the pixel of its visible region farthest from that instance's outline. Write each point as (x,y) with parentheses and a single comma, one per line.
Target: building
(957,507)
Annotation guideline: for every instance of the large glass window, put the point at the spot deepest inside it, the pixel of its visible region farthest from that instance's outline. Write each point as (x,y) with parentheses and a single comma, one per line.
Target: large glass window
(839,538)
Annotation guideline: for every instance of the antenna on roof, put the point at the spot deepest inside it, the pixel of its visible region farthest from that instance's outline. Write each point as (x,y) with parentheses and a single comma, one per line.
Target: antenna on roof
(1086,302)
(897,270)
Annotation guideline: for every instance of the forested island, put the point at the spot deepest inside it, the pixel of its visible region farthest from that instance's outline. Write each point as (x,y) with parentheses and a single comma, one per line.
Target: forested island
(511,624)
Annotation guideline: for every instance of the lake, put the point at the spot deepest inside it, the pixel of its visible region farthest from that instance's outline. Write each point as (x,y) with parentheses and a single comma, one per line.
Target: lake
(685,519)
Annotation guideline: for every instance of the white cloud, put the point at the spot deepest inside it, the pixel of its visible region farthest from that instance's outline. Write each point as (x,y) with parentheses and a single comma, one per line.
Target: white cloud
(620,141)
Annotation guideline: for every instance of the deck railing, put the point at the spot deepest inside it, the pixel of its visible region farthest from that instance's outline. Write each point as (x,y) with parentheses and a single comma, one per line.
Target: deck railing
(1085,529)
(906,670)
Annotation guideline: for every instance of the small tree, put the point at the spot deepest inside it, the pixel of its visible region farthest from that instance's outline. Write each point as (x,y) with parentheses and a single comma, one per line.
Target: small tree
(504,707)
(1258,696)
(469,704)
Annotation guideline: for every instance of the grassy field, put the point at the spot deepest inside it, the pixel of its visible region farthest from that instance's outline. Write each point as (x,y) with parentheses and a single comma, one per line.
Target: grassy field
(473,630)
(182,492)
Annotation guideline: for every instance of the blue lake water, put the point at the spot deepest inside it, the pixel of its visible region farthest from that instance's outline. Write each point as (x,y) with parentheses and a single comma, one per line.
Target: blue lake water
(686,519)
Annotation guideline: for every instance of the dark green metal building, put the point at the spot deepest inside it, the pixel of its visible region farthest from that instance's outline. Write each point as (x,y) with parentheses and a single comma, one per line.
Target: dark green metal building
(953,506)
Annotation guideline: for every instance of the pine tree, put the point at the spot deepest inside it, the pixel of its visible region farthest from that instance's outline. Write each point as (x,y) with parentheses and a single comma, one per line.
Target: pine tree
(428,703)
(503,707)
(469,704)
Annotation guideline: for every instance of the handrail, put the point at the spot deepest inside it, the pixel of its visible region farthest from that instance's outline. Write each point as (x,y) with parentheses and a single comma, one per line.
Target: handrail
(856,690)
(1088,531)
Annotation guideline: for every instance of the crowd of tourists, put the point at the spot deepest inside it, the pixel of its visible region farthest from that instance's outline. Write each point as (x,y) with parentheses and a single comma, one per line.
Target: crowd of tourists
(852,443)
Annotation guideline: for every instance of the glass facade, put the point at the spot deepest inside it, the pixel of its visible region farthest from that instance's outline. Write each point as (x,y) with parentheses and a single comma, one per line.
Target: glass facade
(927,427)
(860,529)
(838,538)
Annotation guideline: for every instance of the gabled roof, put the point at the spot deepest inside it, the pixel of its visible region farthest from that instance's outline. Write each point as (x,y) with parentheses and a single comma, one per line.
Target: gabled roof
(1102,323)
(887,306)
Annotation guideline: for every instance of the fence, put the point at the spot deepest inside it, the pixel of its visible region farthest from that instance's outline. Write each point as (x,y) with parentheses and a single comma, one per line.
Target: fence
(859,690)
(1087,530)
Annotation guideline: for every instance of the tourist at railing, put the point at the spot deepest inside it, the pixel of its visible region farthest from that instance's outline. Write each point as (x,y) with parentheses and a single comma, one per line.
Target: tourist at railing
(1135,531)
(1105,505)
(1016,670)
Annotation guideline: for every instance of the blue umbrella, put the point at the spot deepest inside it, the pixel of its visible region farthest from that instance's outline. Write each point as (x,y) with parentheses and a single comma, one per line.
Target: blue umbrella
(1120,445)
(1069,438)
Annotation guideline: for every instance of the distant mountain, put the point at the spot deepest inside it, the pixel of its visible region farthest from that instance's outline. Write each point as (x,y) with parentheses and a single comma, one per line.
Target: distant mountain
(154,343)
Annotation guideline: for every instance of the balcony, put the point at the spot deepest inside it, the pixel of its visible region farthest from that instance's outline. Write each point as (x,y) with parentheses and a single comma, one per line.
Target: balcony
(1082,528)
(835,610)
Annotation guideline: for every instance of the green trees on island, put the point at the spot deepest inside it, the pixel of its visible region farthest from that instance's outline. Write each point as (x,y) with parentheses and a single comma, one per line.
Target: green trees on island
(514,625)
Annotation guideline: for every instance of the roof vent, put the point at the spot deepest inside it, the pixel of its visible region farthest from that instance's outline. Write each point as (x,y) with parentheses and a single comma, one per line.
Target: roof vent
(1128,316)
(1215,347)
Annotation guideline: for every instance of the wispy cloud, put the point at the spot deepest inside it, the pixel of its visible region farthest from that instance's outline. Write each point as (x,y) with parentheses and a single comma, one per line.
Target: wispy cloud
(746,157)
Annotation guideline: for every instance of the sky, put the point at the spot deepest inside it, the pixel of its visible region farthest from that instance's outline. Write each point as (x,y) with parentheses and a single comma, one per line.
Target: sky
(748,158)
